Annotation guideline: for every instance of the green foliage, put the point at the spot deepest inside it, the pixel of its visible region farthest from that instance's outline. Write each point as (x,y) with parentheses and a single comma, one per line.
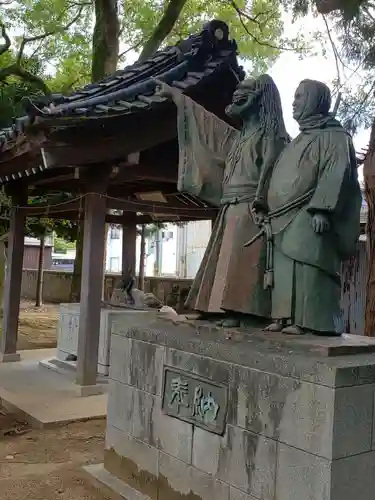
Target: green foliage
(151,229)
(256,26)
(13,90)
(351,24)
(61,245)
(39,226)
(55,30)
(59,32)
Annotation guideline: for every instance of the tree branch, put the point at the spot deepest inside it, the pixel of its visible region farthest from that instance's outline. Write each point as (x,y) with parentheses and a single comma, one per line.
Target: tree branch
(22,73)
(253,19)
(335,52)
(6,46)
(31,39)
(242,15)
(163,29)
(16,69)
(133,47)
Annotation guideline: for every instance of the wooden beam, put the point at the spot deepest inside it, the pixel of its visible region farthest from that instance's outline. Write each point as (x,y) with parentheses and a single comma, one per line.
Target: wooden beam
(46,209)
(118,219)
(143,207)
(57,177)
(161,208)
(149,172)
(85,144)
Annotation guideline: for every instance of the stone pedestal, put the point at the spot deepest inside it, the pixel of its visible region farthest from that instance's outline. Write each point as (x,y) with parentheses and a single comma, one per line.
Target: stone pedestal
(68,328)
(278,418)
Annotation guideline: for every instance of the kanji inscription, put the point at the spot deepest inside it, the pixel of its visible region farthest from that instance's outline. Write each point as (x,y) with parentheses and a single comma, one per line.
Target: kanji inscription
(194,399)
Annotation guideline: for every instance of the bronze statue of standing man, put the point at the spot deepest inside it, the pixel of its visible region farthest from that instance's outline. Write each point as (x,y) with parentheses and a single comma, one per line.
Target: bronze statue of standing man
(314,202)
(231,168)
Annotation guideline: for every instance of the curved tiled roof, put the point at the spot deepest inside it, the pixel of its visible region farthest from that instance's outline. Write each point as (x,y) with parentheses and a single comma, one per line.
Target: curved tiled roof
(133,89)
(185,66)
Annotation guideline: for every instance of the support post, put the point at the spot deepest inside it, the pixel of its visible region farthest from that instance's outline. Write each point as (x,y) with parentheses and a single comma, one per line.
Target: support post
(91,293)
(13,279)
(39,280)
(142,256)
(129,241)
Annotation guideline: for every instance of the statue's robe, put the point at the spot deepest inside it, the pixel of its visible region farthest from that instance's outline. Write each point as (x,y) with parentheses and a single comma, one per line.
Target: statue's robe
(227,168)
(320,161)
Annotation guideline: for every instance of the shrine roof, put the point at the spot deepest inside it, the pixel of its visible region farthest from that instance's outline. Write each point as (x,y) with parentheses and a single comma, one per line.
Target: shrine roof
(188,65)
(134,89)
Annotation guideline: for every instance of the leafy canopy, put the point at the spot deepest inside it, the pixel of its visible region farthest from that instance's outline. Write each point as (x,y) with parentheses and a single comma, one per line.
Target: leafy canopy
(351,32)
(59,32)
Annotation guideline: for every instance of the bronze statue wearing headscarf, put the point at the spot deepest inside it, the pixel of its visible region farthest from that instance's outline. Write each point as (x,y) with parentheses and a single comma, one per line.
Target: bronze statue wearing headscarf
(231,169)
(314,202)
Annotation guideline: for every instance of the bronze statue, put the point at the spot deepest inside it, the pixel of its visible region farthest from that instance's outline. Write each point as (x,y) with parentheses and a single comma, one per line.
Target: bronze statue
(231,169)
(314,202)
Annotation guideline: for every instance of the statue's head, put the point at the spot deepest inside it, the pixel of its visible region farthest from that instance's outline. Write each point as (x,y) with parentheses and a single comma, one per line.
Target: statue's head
(244,100)
(312,98)
(259,96)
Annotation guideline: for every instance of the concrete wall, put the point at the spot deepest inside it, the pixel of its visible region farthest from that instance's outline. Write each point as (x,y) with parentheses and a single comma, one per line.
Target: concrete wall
(31,257)
(56,288)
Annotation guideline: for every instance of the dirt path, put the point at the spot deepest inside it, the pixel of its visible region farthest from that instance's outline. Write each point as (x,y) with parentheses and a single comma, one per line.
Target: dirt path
(37,326)
(47,465)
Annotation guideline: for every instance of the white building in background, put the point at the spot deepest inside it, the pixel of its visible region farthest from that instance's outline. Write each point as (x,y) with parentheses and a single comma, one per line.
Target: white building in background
(192,240)
(172,251)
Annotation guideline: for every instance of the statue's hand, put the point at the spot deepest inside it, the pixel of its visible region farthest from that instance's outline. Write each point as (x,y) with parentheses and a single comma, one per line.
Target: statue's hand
(259,210)
(163,89)
(259,206)
(320,223)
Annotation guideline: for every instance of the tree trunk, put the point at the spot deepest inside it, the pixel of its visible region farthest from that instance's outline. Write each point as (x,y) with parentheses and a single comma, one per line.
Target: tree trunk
(328,6)
(369,175)
(163,28)
(105,40)
(105,48)
(39,280)
(349,8)
(141,274)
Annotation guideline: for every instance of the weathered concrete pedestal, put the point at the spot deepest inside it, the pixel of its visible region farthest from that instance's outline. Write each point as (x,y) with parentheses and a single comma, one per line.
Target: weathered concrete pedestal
(256,416)
(67,339)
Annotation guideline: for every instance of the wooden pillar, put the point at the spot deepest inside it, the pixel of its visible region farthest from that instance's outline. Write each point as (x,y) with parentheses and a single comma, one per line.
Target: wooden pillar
(13,279)
(91,293)
(129,241)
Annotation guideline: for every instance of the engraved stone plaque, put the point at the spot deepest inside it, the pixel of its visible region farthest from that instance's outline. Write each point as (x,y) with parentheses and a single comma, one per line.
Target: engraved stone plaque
(195,399)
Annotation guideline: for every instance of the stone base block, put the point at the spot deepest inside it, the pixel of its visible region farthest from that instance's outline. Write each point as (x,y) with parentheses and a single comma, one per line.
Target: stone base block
(196,412)
(10,358)
(89,390)
(99,473)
